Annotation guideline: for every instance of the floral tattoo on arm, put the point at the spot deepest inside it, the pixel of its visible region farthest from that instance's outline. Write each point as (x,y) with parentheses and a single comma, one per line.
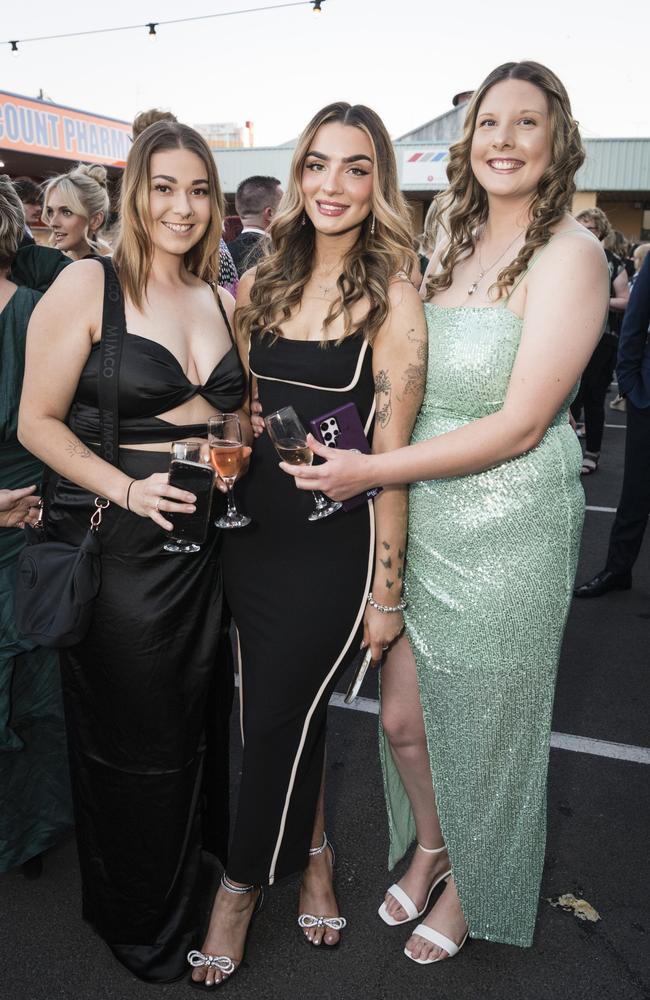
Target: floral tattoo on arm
(415,375)
(383,394)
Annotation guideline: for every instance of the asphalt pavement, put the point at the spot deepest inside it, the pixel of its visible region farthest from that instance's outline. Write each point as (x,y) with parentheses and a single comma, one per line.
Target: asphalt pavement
(597,848)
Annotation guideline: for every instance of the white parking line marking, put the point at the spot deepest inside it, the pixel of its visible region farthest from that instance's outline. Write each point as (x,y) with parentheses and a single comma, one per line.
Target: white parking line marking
(560,741)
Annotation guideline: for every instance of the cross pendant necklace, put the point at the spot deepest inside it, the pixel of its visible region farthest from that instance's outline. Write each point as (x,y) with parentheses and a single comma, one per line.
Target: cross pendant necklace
(474,286)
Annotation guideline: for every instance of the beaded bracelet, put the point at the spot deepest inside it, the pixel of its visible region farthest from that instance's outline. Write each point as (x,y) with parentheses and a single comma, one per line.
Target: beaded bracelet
(387,609)
(128,494)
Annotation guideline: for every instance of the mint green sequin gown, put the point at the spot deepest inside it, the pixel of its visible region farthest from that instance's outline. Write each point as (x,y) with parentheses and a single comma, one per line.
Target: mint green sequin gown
(490,570)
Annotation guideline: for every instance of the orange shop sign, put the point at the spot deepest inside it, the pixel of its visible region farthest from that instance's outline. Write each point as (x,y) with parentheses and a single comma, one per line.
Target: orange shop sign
(28,126)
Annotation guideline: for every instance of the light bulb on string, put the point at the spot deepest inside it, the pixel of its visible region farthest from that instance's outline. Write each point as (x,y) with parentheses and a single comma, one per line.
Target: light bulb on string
(317,6)
(14,48)
(152,30)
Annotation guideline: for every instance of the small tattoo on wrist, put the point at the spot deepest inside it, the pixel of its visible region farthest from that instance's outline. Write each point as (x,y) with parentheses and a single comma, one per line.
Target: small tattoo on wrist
(77,449)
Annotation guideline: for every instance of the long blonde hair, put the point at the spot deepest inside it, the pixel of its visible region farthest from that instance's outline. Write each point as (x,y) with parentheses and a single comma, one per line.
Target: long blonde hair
(463,208)
(368,267)
(134,250)
(86,194)
(12,222)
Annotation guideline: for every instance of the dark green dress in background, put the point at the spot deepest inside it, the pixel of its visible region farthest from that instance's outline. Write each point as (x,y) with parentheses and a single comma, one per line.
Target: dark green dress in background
(34,792)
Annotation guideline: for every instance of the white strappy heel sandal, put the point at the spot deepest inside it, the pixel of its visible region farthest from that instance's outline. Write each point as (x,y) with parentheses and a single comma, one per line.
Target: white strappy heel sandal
(308,920)
(435,937)
(405,901)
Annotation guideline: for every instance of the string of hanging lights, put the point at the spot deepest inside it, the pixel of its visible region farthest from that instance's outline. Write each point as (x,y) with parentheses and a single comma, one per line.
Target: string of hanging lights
(151,26)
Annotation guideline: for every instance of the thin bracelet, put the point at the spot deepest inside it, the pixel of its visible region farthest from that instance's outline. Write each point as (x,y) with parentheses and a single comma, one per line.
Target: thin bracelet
(387,609)
(128,494)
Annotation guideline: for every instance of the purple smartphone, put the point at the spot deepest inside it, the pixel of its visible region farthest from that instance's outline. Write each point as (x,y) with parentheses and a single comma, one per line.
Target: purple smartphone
(342,428)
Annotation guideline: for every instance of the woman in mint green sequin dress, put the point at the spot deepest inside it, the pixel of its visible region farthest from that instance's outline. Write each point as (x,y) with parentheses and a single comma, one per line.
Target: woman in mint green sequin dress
(515,304)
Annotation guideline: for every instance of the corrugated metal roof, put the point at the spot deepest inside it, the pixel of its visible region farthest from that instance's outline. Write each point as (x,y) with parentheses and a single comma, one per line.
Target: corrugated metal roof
(611,165)
(615,165)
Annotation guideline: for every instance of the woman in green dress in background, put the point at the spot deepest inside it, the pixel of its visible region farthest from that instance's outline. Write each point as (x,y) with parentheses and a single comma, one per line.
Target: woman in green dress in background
(35,806)
(515,302)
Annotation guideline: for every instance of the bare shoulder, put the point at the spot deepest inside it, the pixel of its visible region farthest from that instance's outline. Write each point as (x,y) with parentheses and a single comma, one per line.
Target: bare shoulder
(405,326)
(403,295)
(86,277)
(75,296)
(246,282)
(572,251)
(570,281)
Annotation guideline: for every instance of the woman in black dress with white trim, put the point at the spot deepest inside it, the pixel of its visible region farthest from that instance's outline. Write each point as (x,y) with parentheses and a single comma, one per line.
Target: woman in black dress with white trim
(328,318)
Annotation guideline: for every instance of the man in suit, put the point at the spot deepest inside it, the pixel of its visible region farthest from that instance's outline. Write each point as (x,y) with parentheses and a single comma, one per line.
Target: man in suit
(633,372)
(256,200)
(31,197)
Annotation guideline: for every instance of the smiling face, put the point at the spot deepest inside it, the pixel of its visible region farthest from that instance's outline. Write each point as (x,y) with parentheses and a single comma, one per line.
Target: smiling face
(69,230)
(179,200)
(511,145)
(337,178)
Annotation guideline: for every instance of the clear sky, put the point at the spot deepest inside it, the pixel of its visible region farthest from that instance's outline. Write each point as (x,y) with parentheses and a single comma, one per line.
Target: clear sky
(405,58)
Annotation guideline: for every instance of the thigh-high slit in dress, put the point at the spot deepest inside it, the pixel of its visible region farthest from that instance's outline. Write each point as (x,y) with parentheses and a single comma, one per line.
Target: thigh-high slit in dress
(297,592)
(147,697)
(489,576)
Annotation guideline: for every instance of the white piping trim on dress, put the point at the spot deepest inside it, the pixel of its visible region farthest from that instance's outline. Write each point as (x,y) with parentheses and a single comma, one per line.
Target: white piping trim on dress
(241,687)
(314,704)
(358,620)
(309,385)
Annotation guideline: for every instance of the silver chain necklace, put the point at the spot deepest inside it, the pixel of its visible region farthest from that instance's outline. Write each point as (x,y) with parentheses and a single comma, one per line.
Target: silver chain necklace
(484,270)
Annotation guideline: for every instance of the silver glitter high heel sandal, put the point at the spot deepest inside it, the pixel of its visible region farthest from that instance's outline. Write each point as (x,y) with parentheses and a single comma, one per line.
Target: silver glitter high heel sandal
(223,963)
(307,920)
(405,901)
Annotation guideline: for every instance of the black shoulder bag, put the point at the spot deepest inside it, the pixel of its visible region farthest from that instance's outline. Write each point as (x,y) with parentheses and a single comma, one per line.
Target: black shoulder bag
(57,582)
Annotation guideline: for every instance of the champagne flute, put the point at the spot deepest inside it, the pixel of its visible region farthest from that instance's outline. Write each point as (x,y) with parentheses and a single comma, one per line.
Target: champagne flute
(289,439)
(227,458)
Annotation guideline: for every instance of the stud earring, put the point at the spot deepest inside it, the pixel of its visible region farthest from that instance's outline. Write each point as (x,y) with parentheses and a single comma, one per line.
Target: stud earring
(372,226)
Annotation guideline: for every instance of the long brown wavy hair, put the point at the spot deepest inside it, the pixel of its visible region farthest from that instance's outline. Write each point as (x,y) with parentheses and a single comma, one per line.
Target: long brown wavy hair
(134,250)
(368,267)
(463,207)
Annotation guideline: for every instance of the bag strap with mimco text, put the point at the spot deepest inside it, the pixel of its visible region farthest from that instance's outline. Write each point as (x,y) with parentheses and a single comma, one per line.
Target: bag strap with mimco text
(110,356)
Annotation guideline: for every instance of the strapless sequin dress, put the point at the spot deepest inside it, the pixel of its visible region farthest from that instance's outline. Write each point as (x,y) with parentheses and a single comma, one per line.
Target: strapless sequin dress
(490,570)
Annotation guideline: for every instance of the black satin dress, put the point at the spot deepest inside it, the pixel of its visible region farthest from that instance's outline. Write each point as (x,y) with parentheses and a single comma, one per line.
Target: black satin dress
(297,591)
(147,695)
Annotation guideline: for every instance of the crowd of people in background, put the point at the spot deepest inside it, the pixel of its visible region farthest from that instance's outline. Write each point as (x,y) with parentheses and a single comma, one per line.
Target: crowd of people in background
(331,260)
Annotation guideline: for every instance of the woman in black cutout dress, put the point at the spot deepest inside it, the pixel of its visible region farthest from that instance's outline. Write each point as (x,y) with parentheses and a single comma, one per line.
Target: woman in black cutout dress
(147,699)
(297,589)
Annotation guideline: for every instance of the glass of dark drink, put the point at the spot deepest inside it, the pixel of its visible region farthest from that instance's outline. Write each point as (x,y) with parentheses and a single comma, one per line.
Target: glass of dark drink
(289,439)
(188,472)
(227,459)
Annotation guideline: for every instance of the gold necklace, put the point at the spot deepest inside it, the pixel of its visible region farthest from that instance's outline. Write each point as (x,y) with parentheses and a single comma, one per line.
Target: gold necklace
(473,287)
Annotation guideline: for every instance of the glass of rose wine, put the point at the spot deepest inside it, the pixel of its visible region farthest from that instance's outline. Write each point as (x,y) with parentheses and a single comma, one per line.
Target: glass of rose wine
(227,459)
(289,439)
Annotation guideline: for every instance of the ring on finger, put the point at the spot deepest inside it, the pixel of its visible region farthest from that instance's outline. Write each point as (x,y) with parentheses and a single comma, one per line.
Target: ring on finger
(158,504)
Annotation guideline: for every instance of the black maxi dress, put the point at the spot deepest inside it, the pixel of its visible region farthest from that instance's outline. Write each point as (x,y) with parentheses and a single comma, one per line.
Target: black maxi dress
(297,591)
(147,697)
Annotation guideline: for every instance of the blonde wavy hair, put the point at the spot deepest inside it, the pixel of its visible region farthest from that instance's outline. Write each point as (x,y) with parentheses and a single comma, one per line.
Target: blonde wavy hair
(12,222)
(85,191)
(463,208)
(134,249)
(369,266)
